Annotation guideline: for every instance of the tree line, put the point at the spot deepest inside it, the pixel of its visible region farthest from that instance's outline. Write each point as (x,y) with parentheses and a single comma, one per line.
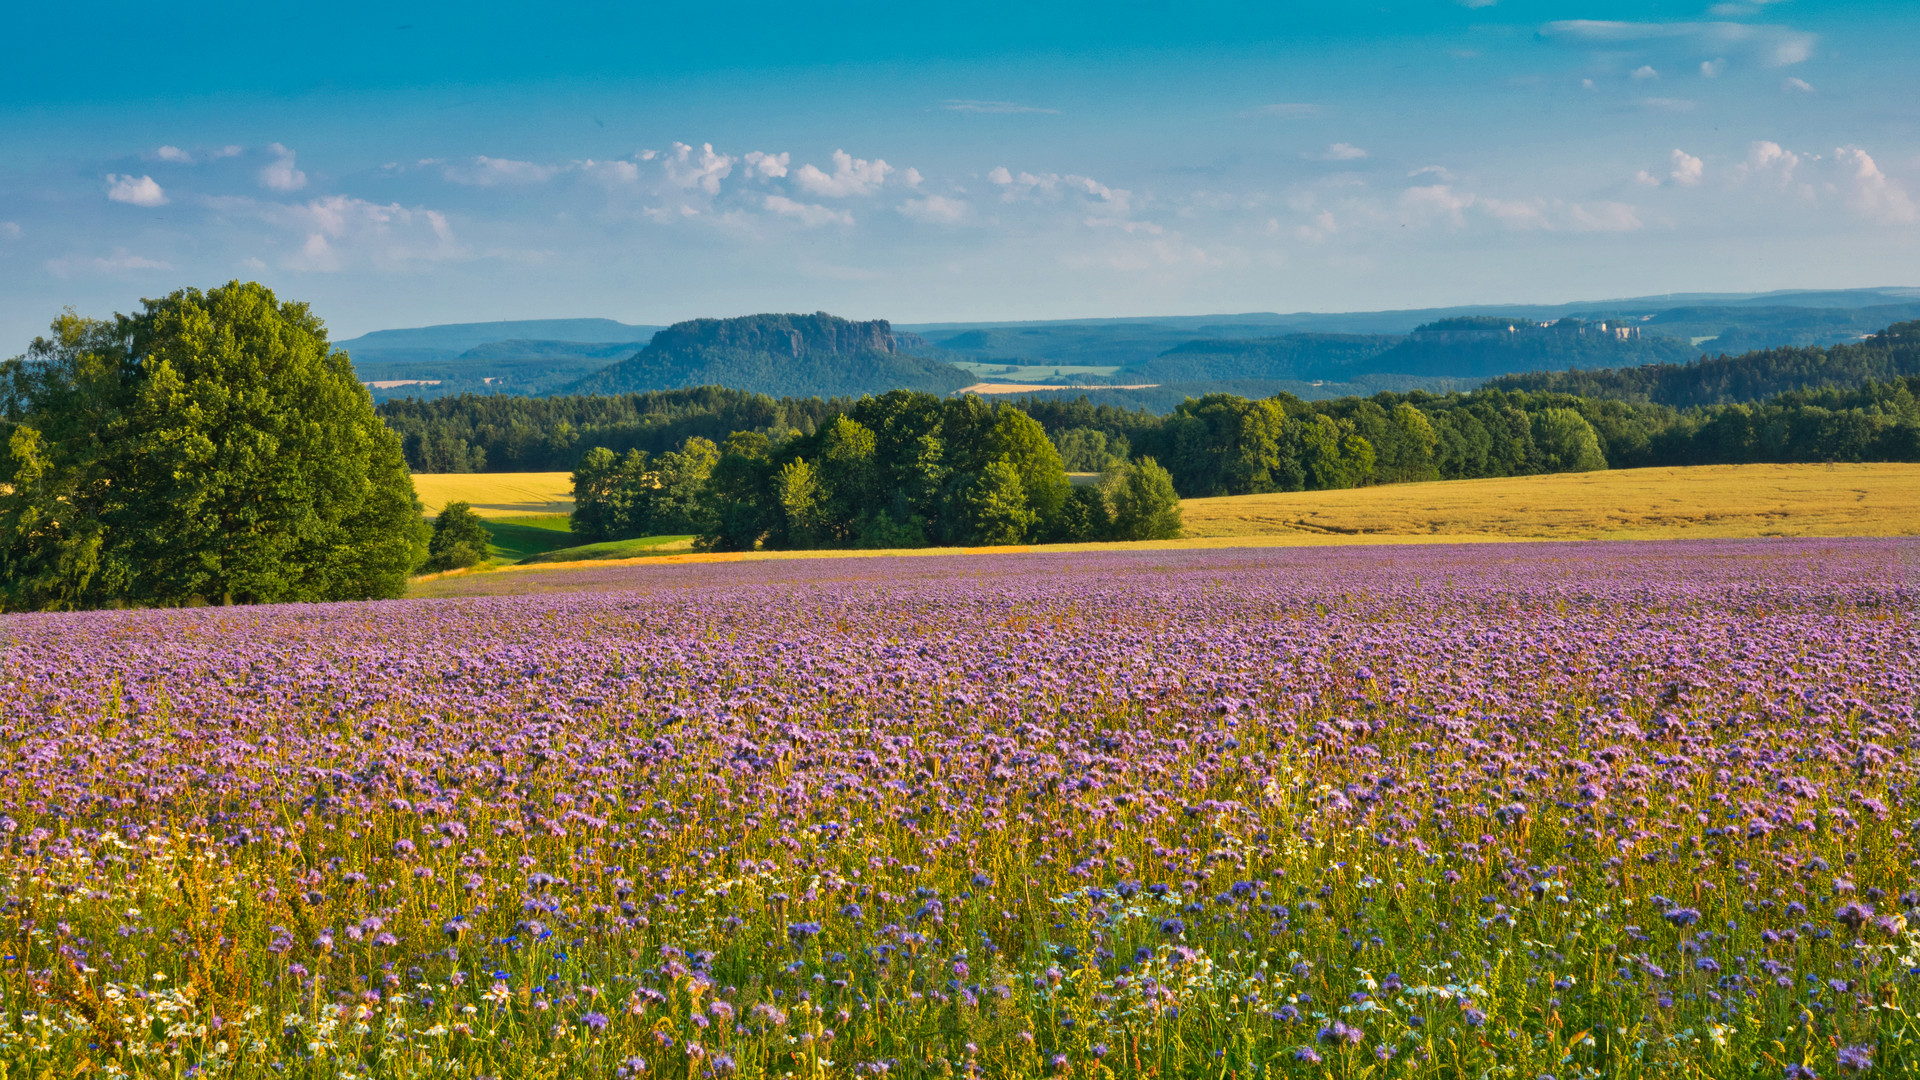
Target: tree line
(904,469)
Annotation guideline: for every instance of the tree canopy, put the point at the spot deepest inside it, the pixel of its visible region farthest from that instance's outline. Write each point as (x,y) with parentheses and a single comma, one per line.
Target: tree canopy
(210,448)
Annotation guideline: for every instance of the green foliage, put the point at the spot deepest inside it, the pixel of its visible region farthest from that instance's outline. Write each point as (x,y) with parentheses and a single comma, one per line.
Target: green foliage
(210,449)
(502,433)
(459,539)
(619,498)
(1089,450)
(1144,503)
(1566,442)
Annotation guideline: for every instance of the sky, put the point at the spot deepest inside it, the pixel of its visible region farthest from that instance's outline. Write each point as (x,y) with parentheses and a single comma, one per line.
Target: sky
(405,163)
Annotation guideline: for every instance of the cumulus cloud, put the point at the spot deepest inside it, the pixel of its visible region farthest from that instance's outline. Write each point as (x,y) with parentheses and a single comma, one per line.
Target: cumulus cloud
(280,175)
(688,170)
(1797,86)
(1768,158)
(611,173)
(1438,172)
(772,166)
(225,152)
(486,171)
(1645,71)
(935,209)
(1002,108)
(1646,179)
(120,262)
(1711,69)
(1687,169)
(1870,192)
(135,190)
(1288,110)
(9,230)
(1340,152)
(1110,203)
(1435,202)
(337,232)
(173,154)
(811,215)
(850,176)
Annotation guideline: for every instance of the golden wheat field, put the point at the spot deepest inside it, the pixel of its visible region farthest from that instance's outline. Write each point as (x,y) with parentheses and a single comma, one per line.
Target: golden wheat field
(1726,501)
(498,495)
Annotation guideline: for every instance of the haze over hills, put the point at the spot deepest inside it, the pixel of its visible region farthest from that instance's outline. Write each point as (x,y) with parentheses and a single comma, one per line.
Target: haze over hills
(1305,353)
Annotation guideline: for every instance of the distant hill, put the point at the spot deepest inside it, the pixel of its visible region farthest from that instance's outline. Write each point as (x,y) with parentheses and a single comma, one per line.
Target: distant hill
(1752,376)
(1293,356)
(448,341)
(788,355)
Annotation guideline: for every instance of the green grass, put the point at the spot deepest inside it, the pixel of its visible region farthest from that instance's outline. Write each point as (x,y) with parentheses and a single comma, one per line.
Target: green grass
(515,539)
(613,549)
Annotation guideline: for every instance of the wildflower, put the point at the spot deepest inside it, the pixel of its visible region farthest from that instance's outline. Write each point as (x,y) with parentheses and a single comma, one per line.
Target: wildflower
(595,1021)
(1307,1055)
(1856,1058)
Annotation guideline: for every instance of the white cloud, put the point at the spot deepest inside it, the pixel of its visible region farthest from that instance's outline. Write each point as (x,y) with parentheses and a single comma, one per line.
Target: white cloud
(1000,175)
(1002,108)
(1645,71)
(1870,192)
(173,154)
(812,215)
(1770,158)
(704,172)
(1711,69)
(768,165)
(280,175)
(486,171)
(936,209)
(120,262)
(336,232)
(10,230)
(611,173)
(135,190)
(1438,172)
(226,152)
(1777,46)
(1797,86)
(1646,179)
(1687,169)
(1288,110)
(851,176)
(1432,202)
(912,177)
(1603,217)
(1340,152)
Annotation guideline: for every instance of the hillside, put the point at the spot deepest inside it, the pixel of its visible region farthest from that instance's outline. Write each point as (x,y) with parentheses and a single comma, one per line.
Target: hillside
(1892,353)
(793,355)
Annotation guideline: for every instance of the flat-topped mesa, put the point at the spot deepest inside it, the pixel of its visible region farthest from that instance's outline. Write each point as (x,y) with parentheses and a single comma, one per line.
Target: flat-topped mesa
(819,334)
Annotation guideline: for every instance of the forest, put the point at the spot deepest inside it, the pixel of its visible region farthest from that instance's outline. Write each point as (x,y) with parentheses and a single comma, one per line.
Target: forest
(904,469)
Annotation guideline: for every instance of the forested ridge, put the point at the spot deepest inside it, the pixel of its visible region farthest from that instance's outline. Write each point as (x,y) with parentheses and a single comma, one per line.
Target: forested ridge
(1724,379)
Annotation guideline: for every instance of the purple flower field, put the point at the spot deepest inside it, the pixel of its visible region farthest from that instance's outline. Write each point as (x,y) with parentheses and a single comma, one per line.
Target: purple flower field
(1568,810)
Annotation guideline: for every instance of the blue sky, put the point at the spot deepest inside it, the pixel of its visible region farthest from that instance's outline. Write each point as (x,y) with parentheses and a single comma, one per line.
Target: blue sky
(405,163)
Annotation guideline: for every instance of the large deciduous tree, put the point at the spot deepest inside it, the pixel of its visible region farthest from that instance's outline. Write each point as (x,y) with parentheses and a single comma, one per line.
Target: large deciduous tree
(211,448)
